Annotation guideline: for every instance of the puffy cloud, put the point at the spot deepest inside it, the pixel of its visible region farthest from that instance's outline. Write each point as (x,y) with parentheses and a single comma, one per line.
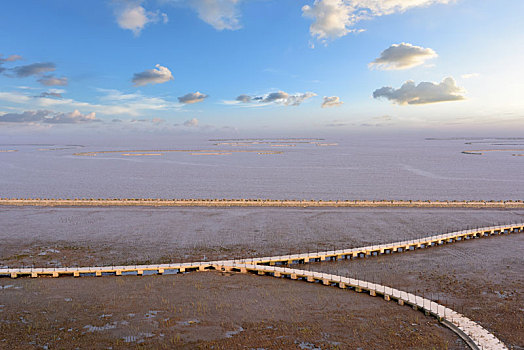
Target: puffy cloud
(51,80)
(331,18)
(34,69)
(192,97)
(274,96)
(335,18)
(423,93)
(331,101)
(279,97)
(131,15)
(402,56)
(191,123)
(46,116)
(153,76)
(221,14)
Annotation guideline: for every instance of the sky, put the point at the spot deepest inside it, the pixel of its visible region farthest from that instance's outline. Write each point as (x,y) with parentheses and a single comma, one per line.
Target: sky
(247,65)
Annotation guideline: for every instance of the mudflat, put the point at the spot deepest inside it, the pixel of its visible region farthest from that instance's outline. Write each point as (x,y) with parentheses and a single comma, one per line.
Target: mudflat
(46,237)
(481,278)
(207,310)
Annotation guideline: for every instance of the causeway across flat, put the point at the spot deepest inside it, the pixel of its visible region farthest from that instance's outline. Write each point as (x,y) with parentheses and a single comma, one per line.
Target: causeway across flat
(156,202)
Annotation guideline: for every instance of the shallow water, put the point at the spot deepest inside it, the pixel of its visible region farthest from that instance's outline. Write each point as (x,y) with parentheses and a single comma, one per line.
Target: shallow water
(355,168)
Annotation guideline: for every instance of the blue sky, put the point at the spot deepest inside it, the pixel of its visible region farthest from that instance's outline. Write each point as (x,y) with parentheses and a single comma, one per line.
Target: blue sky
(183,64)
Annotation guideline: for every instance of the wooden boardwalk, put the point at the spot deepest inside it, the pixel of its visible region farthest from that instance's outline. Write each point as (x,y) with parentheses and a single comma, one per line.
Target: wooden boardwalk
(476,336)
(372,250)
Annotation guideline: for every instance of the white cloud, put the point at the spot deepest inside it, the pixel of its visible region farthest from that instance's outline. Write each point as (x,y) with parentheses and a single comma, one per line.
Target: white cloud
(279,97)
(221,14)
(74,117)
(14,97)
(297,99)
(153,76)
(50,117)
(387,7)
(331,18)
(192,97)
(135,104)
(402,56)
(113,102)
(423,93)
(331,101)
(191,123)
(335,18)
(131,15)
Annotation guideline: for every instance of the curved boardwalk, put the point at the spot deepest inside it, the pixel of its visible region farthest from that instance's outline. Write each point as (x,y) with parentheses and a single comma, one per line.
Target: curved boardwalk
(476,336)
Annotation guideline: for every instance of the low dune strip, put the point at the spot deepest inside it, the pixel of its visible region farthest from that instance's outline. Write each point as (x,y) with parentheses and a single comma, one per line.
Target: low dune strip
(141,154)
(157,202)
(162,151)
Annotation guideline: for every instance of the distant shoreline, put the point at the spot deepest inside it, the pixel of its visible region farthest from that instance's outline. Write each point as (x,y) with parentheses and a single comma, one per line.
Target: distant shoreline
(127,202)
